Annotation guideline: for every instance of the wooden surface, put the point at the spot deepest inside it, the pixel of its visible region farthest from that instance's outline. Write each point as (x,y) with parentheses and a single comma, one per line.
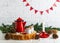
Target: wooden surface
(46,40)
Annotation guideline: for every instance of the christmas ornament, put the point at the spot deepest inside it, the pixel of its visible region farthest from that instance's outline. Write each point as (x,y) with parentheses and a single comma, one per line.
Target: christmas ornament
(20,25)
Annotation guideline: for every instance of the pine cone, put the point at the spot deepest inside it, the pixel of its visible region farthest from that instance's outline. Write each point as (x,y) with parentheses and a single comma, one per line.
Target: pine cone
(49,32)
(7,36)
(13,30)
(55,36)
(37,37)
(54,31)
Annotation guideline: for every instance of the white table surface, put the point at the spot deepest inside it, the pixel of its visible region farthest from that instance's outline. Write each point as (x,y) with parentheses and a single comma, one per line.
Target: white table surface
(44,40)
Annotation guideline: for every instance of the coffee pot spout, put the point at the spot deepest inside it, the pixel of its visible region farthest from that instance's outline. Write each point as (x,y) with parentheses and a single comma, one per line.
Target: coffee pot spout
(24,23)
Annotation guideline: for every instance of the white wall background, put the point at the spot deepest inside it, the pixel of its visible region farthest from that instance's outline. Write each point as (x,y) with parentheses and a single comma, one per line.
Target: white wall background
(10,10)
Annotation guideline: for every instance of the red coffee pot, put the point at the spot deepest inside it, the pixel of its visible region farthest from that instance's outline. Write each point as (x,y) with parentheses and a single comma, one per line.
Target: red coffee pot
(20,25)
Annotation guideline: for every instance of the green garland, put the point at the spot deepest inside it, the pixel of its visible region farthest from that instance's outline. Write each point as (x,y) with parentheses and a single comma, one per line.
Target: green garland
(7,28)
(37,27)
